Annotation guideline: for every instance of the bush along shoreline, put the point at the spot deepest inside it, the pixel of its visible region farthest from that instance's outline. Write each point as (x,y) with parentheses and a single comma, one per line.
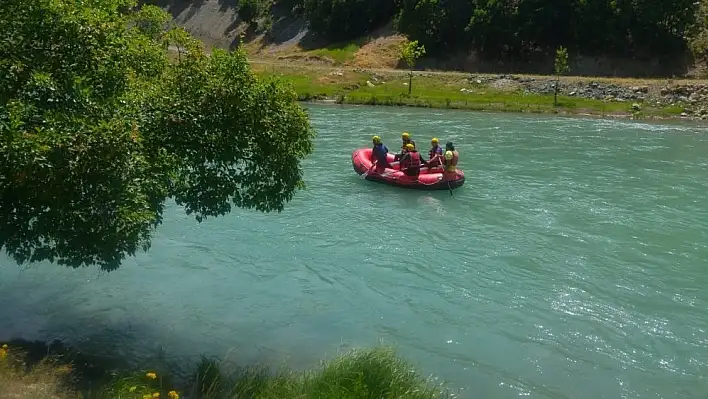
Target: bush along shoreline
(36,371)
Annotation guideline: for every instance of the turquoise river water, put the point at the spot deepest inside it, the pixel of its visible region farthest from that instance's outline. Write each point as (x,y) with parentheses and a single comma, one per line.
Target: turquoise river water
(572,264)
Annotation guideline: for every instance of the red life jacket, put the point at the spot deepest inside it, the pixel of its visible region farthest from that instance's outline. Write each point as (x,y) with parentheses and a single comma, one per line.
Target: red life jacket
(412,160)
(415,159)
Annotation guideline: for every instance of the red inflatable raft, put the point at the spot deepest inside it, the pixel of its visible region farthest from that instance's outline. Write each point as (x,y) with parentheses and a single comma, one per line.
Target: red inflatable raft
(433,179)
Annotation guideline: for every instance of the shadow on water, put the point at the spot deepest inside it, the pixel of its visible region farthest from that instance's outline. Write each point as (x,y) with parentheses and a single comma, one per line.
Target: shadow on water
(98,348)
(97,358)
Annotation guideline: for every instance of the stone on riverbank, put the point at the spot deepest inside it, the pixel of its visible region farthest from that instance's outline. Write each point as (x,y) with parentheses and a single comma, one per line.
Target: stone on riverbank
(694,97)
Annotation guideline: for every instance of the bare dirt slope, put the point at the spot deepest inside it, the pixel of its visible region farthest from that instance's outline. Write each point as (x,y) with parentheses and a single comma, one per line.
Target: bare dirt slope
(216,23)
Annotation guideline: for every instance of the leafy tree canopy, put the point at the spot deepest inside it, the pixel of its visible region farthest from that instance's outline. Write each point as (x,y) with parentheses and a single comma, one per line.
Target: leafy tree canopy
(411,51)
(98,129)
(347,19)
(515,29)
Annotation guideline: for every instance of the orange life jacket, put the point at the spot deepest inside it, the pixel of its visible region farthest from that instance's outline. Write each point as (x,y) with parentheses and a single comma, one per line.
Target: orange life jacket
(451,165)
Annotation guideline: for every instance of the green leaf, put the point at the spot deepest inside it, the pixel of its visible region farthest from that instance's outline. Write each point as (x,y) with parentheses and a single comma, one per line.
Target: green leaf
(98,130)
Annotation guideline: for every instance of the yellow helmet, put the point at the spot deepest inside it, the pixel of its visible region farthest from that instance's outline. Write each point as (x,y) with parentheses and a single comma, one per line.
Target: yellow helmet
(405,135)
(434,140)
(376,139)
(410,147)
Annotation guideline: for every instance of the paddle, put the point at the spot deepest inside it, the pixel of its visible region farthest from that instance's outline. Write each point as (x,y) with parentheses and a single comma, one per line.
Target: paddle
(373,165)
(443,174)
(449,188)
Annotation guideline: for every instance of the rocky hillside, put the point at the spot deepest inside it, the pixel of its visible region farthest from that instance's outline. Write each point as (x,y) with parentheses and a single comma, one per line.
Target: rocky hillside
(602,40)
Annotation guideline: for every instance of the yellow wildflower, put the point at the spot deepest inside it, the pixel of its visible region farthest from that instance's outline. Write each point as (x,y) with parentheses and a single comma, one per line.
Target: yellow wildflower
(156,395)
(132,389)
(148,396)
(151,376)
(173,395)
(4,346)
(3,353)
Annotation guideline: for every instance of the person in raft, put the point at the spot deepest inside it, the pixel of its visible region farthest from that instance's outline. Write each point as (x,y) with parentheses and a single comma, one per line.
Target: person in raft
(405,140)
(451,158)
(435,155)
(410,161)
(378,154)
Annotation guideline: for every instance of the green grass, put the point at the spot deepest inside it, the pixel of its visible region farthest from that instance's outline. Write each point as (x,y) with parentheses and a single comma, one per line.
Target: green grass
(338,53)
(371,373)
(434,95)
(306,88)
(440,91)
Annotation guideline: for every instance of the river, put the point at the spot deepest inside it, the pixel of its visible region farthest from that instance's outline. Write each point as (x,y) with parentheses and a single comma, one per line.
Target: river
(570,265)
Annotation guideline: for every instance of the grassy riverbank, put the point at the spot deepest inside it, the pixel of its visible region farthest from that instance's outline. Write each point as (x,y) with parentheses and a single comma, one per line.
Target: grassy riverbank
(372,373)
(462,91)
(321,65)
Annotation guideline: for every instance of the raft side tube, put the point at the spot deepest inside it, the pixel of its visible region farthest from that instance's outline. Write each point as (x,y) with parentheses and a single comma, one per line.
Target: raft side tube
(428,179)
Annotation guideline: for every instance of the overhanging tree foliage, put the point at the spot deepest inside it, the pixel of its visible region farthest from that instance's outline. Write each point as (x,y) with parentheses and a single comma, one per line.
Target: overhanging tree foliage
(98,129)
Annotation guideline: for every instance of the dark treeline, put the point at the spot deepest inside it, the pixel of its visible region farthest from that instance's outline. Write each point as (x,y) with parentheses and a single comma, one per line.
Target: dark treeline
(513,28)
